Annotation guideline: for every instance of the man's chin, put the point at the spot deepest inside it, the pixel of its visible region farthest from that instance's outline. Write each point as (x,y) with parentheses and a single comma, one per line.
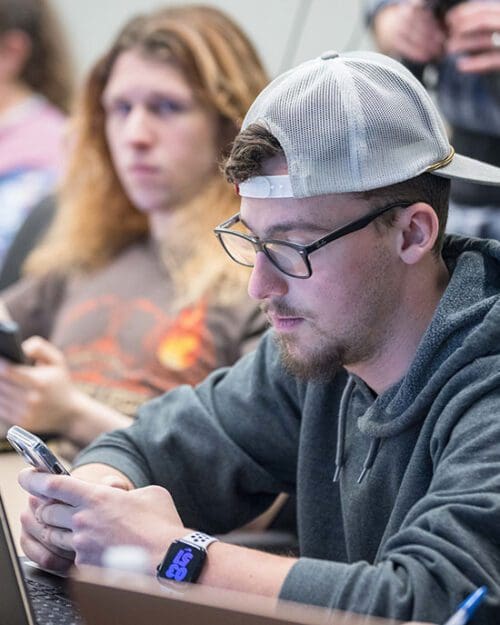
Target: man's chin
(319,366)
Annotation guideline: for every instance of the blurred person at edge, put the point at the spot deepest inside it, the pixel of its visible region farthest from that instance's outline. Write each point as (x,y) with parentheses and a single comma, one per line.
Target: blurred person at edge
(129,294)
(35,88)
(462,41)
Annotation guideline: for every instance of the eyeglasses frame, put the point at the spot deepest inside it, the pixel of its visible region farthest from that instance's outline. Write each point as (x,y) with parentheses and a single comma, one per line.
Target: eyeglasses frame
(303,250)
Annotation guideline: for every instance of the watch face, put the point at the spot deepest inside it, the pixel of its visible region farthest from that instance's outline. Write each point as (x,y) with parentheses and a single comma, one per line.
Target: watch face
(182,563)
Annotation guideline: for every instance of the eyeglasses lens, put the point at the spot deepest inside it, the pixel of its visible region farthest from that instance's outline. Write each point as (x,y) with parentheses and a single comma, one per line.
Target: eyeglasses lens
(241,250)
(287,259)
(284,257)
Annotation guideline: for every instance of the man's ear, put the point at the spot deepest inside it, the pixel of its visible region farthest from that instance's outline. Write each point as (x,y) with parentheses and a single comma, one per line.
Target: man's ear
(418,230)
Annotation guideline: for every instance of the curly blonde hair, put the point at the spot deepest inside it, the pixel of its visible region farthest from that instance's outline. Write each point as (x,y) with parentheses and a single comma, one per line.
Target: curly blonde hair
(95,218)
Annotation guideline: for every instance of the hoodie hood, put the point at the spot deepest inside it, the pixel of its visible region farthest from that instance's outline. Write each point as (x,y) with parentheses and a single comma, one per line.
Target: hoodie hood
(465,328)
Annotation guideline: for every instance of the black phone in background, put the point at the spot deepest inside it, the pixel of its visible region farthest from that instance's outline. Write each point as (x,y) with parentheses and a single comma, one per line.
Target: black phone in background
(441,7)
(10,343)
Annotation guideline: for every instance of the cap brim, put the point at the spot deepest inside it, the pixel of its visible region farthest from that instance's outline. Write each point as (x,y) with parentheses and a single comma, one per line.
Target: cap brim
(465,168)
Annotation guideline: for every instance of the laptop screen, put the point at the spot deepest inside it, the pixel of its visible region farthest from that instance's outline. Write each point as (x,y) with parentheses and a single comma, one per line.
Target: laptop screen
(14,604)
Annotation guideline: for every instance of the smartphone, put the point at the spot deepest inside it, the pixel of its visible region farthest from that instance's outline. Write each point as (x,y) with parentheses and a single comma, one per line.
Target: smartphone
(10,343)
(35,451)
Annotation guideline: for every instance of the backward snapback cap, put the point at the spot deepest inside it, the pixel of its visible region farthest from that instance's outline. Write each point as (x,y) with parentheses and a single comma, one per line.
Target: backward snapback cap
(353,122)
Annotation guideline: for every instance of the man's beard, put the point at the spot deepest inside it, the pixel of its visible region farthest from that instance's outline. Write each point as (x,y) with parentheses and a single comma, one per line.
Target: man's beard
(328,354)
(323,363)
(322,367)
(358,338)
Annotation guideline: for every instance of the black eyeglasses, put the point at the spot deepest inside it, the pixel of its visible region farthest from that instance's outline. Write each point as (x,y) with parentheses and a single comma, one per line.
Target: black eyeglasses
(290,258)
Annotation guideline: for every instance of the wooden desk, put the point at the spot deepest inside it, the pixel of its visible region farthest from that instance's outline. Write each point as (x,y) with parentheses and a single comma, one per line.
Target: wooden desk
(14,497)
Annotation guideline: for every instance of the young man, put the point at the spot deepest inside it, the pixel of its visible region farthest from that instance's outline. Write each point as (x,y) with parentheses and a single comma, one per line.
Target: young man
(374,398)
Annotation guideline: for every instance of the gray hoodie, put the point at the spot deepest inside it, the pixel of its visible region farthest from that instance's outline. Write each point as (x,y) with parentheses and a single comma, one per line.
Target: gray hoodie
(422,527)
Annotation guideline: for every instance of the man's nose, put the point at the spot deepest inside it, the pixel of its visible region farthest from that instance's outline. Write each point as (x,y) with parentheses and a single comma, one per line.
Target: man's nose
(138,127)
(266,280)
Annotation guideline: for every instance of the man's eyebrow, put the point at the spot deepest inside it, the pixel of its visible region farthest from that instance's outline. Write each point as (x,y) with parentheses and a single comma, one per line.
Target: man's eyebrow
(153,94)
(290,226)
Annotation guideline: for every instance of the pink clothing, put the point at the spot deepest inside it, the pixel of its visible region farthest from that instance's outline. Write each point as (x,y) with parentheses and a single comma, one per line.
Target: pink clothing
(31,137)
(31,160)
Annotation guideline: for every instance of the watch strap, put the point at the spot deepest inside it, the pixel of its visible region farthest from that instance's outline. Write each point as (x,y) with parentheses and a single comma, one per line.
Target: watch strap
(199,539)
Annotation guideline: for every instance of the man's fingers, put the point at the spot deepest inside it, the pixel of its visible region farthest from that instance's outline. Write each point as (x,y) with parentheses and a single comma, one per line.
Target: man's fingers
(45,558)
(479,63)
(470,37)
(473,16)
(115,482)
(62,488)
(477,42)
(43,351)
(9,388)
(58,540)
(54,540)
(35,502)
(55,514)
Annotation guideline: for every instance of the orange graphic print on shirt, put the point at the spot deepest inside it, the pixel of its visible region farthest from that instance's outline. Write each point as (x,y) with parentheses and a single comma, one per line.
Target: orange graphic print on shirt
(133,350)
(181,346)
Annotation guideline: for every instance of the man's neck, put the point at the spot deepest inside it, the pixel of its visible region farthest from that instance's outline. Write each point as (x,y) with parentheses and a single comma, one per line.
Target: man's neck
(169,224)
(405,330)
(161,224)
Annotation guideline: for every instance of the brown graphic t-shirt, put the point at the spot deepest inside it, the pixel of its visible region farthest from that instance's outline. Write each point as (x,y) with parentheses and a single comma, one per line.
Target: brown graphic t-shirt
(116,329)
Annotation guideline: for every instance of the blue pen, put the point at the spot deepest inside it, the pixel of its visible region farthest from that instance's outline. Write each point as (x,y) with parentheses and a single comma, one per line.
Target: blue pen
(467,608)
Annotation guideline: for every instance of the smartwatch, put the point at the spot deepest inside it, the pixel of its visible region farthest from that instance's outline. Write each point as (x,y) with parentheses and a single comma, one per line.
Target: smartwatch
(184,559)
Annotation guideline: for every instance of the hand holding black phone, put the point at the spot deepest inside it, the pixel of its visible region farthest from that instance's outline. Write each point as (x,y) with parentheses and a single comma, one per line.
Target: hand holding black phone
(11,343)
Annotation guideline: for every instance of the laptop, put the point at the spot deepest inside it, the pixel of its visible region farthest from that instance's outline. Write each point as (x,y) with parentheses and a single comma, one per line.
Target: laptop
(30,596)
(106,596)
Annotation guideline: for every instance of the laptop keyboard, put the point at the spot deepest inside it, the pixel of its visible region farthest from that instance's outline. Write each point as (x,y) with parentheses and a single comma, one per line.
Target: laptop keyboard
(51,605)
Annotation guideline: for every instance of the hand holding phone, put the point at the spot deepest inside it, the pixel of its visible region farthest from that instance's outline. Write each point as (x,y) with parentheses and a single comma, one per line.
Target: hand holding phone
(10,343)
(35,451)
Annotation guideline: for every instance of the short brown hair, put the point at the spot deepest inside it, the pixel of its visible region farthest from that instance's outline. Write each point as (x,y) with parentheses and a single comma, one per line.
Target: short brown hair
(256,144)
(427,188)
(251,147)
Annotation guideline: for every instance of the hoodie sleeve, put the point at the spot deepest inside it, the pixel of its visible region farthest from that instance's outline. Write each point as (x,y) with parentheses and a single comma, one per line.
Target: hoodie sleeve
(447,544)
(203,443)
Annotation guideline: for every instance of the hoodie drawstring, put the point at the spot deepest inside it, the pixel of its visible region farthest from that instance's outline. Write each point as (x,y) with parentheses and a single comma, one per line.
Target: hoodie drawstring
(370,458)
(339,451)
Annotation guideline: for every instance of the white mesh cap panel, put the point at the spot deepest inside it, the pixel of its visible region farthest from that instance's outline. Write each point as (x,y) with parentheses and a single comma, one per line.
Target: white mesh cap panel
(403,132)
(351,123)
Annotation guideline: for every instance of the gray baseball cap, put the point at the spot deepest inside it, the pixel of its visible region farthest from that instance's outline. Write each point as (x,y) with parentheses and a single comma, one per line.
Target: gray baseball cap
(353,122)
